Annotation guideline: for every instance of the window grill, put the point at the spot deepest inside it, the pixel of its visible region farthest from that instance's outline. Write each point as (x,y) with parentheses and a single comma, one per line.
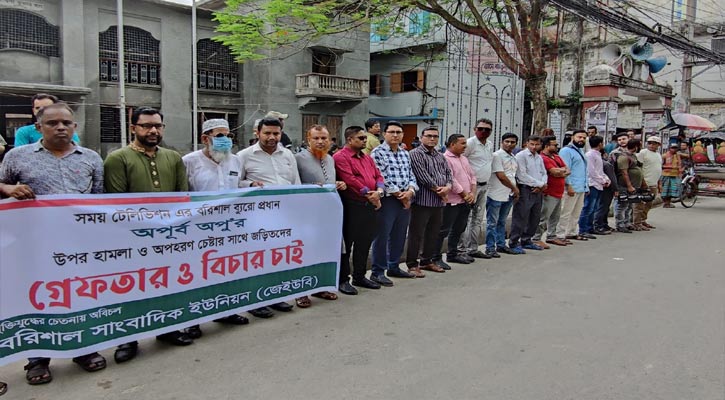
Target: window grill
(111,123)
(217,69)
(26,31)
(141,56)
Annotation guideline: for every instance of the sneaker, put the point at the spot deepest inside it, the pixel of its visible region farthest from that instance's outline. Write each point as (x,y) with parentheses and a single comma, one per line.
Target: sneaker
(381,279)
(492,253)
(518,250)
(533,246)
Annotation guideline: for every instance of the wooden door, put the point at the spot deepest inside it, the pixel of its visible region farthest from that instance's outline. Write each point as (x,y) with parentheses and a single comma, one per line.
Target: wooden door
(334,126)
(307,121)
(409,133)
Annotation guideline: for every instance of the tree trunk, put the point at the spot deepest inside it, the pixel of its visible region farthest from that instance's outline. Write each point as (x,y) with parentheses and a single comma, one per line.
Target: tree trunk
(537,88)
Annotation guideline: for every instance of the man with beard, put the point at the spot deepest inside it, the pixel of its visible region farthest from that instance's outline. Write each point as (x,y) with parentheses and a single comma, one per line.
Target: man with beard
(576,188)
(479,152)
(268,163)
(400,187)
(622,139)
(435,180)
(360,204)
(502,193)
(143,166)
(531,179)
(317,167)
(652,169)
(556,171)
(284,139)
(214,168)
(373,135)
(630,178)
(601,216)
(53,165)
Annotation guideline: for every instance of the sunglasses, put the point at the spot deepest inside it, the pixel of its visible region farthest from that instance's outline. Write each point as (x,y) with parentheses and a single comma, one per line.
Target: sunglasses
(483,129)
(361,138)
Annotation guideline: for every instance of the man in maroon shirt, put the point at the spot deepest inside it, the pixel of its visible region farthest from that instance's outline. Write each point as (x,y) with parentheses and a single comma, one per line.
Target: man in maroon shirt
(556,171)
(360,202)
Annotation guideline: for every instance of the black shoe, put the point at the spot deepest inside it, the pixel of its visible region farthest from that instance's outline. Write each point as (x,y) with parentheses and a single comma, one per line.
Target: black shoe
(176,338)
(399,273)
(347,288)
(262,312)
(125,352)
(193,332)
(505,250)
(492,254)
(458,259)
(282,306)
(479,254)
(381,279)
(587,235)
(601,232)
(443,265)
(366,283)
(623,230)
(234,319)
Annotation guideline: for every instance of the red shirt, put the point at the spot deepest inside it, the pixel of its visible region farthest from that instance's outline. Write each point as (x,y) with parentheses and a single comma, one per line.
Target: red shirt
(359,173)
(554,186)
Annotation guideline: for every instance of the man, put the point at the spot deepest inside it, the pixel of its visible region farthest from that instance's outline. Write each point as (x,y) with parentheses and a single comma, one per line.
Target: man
(54,165)
(630,178)
(479,152)
(361,201)
(400,187)
(502,191)
(214,168)
(316,166)
(460,197)
(373,135)
(143,166)
(597,181)
(685,157)
(30,134)
(576,188)
(556,171)
(622,139)
(672,165)
(435,180)
(652,171)
(415,143)
(601,216)
(531,179)
(268,163)
(591,131)
(285,140)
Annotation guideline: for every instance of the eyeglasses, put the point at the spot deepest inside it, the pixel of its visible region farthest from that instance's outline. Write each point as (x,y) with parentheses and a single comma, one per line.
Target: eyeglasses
(483,129)
(394,132)
(149,126)
(431,136)
(361,138)
(218,135)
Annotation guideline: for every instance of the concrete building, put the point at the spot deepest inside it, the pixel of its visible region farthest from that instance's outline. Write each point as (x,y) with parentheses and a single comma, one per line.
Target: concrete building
(433,74)
(68,48)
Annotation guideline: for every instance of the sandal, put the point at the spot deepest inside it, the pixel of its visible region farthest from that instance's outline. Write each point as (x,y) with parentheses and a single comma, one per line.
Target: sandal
(38,372)
(303,302)
(325,295)
(91,362)
(3,388)
(417,272)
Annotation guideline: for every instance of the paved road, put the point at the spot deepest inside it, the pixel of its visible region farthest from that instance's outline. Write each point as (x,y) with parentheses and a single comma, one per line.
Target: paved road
(636,316)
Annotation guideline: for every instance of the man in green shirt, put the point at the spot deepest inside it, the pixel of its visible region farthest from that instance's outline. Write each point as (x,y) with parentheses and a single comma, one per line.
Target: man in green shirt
(373,135)
(630,178)
(140,167)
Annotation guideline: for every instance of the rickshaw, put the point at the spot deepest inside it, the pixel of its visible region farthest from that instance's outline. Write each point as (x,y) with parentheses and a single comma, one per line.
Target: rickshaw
(706,176)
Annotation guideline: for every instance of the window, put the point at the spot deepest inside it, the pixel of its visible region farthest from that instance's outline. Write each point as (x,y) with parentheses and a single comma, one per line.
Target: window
(111,124)
(408,81)
(307,121)
(141,56)
(376,84)
(216,67)
(379,33)
(419,23)
(323,63)
(232,119)
(26,31)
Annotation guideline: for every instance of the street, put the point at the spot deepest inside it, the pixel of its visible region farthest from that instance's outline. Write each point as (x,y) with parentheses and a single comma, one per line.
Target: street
(626,316)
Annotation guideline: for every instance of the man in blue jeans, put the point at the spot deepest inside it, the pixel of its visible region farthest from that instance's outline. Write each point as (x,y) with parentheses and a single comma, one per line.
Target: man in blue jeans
(400,187)
(598,181)
(502,192)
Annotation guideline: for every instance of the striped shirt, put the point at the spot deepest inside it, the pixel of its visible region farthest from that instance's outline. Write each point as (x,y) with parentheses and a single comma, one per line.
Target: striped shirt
(431,170)
(395,168)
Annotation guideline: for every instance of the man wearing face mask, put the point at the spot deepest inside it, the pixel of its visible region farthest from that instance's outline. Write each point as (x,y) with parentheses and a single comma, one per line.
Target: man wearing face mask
(576,188)
(210,169)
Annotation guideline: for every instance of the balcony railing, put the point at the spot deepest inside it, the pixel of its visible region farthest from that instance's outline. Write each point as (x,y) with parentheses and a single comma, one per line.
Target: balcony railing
(332,86)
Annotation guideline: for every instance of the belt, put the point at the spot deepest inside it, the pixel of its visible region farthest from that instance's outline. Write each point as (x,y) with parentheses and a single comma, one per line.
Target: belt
(527,186)
(482,183)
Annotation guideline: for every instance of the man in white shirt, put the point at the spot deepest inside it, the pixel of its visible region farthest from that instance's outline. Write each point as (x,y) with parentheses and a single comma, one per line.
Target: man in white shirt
(501,194)
(531,179)
(652,170)
(267,163)
(214,168)
(597,181)
(479,151)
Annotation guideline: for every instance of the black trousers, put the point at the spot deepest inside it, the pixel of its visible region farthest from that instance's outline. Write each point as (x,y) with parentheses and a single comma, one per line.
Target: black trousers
(601,216)
(359,227)
(525,217)
(425,222)
(455,219)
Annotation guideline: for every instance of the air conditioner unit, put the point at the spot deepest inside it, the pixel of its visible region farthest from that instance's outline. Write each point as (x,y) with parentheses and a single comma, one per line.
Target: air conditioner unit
(717,44)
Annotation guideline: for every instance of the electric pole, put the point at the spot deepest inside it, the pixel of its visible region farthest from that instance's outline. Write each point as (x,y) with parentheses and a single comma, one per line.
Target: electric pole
(687,59)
